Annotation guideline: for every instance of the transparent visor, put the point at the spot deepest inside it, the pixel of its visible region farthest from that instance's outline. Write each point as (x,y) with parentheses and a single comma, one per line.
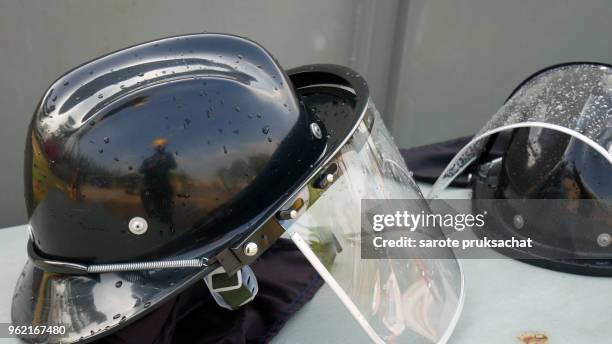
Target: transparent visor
(394,300)
(573,99)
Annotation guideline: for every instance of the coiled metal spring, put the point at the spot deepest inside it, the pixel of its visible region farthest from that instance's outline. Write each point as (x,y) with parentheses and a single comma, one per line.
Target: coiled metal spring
(154,265)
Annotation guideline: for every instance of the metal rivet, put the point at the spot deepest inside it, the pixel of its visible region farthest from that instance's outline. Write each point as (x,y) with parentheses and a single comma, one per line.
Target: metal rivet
(138,225)
(518,221)
(469,177)
(604,239)
(287,214)
(316,130)
(325,180)
(250,249)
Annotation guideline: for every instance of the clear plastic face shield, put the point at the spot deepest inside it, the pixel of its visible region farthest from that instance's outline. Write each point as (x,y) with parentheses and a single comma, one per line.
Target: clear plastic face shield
(393,300)
(573,99)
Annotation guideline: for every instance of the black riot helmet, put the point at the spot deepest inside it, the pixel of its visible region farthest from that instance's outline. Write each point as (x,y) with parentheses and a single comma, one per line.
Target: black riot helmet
(553,181)
(182,160)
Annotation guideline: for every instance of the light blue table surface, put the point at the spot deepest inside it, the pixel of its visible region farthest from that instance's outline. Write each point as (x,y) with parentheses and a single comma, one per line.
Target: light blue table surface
(503,299)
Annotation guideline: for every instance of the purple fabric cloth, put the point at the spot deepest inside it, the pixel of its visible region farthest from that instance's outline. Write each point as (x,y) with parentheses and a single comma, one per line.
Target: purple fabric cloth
(286,282)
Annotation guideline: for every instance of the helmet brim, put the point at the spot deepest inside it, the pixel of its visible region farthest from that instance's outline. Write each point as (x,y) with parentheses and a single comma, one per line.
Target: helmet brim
(89,306)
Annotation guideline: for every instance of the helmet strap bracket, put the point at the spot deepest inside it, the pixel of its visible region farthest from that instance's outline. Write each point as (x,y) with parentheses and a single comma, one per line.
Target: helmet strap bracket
(233,258)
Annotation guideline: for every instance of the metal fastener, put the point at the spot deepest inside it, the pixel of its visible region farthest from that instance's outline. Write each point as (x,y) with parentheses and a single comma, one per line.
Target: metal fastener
(316,130)
(287,214)
(250,249)
(138,225)
(518,221)
(325,180)
(604,239)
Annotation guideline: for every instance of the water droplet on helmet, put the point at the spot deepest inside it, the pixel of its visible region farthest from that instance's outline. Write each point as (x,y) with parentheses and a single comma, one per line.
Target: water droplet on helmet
(106,139)
(224,150)
(100,150)
(118,285)
(265,130)
(237,109)
(100,96)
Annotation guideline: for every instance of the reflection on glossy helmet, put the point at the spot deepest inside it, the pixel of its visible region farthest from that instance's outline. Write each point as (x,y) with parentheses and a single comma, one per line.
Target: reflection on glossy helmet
(541,162)
(160,143)
(150,167)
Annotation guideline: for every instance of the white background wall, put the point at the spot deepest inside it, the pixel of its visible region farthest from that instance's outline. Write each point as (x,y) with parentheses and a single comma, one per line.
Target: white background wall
(437,69)
(460,59)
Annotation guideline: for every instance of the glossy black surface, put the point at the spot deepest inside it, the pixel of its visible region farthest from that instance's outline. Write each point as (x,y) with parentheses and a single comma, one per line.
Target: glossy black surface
(541,163)
(547,164)
(91,306)
(200,135)
(553,166)
(203,135)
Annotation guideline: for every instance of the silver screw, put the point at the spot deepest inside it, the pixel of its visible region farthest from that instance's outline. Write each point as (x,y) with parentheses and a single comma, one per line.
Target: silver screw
(329,178)
(518,221)
(316,130)
(287,214)
(325,180)
(604,239)
(250,249)
(138,225)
